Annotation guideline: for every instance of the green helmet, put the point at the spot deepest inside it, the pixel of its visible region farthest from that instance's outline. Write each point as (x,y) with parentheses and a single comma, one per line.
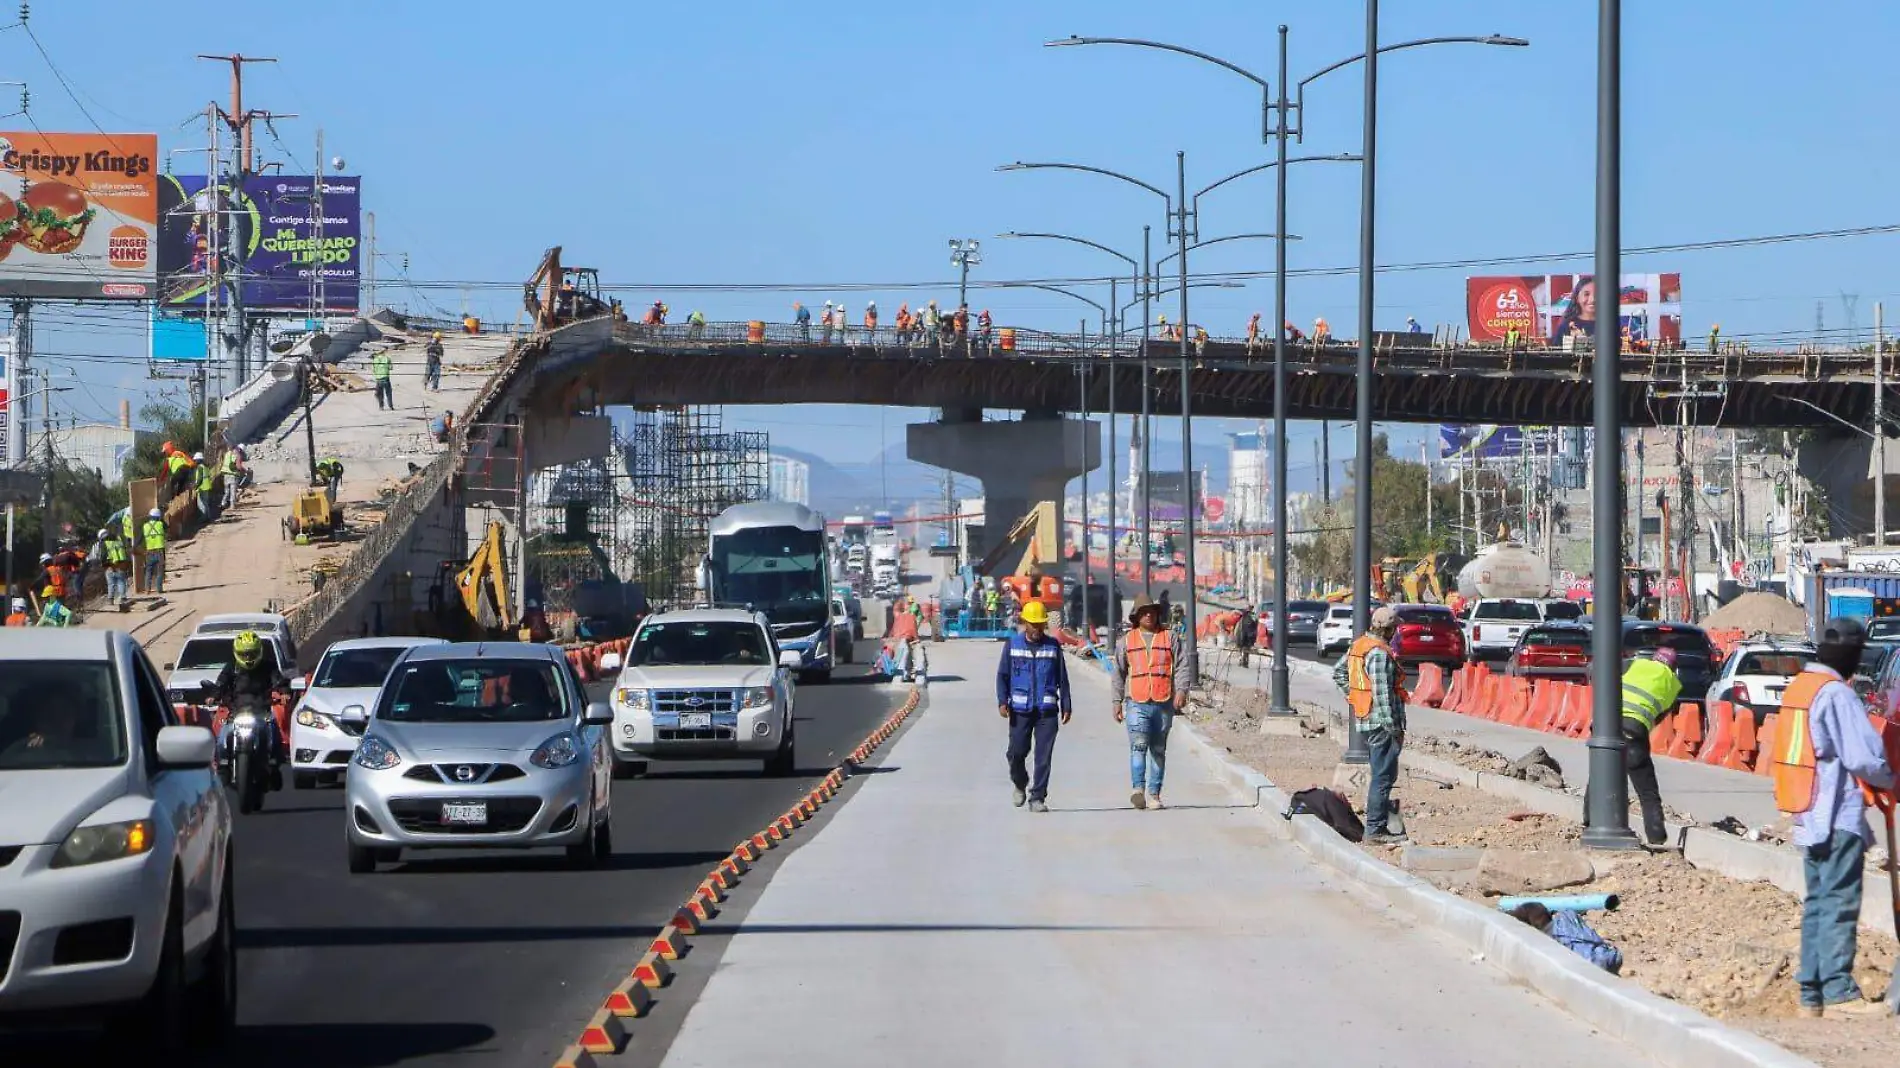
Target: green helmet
(247,649)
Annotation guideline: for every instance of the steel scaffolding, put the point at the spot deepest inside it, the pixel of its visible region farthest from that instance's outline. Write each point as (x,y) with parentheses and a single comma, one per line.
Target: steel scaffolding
(680,469)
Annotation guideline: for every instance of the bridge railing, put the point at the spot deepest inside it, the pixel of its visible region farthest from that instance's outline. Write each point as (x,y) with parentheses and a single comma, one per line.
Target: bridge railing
(1417,353)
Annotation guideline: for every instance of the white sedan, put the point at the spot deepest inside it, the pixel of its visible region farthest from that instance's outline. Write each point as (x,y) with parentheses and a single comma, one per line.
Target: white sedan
(351,673)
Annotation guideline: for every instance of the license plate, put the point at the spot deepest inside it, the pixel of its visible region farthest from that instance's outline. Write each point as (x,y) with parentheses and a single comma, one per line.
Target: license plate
(1428,637)
(474,813)
(692,720)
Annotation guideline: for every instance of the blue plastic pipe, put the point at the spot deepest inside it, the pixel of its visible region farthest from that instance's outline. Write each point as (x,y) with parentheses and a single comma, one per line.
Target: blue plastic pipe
(1561,902)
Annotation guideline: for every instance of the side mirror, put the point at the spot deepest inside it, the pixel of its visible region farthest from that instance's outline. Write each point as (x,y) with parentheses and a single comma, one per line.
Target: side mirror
(610,662)
(790,658)
(299,684)
(598,714)
(169,666)
(702,576)
(354,716)
(185,748)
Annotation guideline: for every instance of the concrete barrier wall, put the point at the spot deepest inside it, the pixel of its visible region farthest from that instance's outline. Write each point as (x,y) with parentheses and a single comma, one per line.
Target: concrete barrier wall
(247,412)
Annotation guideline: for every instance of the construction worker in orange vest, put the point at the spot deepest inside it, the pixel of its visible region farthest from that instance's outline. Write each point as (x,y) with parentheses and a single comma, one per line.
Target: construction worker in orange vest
(18,617)
(1823,744)
(1369,674)
(1151,684)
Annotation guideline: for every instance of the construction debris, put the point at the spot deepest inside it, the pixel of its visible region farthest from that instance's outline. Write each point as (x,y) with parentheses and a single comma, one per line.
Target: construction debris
(1760,613)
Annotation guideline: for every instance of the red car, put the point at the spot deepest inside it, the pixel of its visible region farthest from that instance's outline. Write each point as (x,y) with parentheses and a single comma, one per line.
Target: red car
(1428,634)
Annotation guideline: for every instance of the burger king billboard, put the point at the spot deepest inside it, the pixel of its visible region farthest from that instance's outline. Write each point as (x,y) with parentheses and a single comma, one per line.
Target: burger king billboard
(78,215)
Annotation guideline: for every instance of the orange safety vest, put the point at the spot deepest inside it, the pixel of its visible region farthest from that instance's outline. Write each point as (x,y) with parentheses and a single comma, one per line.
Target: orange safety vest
(1150,666)
(17,619)
(1358,679)
(1793,768)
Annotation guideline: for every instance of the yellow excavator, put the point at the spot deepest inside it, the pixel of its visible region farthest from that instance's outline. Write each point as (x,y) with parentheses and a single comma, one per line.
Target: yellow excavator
(1428,580)
(487,609)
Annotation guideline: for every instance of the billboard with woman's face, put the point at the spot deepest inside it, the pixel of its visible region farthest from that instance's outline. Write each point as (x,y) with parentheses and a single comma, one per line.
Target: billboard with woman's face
(1550,308)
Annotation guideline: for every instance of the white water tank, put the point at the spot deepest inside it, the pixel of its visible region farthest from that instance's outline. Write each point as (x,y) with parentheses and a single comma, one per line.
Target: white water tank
(1506,569)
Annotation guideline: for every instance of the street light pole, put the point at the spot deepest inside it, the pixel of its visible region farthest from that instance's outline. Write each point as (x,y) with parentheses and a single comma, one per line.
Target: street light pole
(1357,752)
(1147,391)
(1606,800)
(1280,701)
(1183,219)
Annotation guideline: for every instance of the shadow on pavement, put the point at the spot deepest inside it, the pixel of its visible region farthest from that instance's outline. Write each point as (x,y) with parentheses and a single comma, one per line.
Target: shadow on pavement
(413,864)
(348,1045)
(312,937)
(718,929)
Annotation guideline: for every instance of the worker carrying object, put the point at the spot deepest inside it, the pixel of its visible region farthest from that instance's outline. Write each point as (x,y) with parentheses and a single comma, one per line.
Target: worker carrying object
(1825,743)
(1151,684)
(153,534)
(1650,689)
(1032,693)
(52,612)
(1369,675)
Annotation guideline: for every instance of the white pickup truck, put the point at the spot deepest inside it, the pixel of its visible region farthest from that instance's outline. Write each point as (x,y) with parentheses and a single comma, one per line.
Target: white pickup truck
(1498,622)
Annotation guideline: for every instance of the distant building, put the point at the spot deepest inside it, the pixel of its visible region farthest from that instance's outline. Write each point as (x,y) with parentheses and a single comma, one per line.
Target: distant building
(1247,487)
(103,447)
(789,480)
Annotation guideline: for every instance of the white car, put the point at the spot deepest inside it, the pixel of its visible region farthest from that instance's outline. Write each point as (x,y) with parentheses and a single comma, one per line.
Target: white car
(704,684)
(208,651)
(1756,673)
(1335,630)
(351,673)
(1497,623)
(115,848)
(841,628)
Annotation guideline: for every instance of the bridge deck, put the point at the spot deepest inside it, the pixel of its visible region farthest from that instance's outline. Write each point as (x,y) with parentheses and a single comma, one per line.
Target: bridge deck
(738,363)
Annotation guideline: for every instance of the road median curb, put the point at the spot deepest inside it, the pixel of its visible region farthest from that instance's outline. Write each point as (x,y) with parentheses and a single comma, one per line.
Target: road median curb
(605,1033)
(1671,1033)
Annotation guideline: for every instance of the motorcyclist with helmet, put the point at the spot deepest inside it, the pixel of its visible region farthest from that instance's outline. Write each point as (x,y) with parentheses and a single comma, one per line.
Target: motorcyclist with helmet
(247,684)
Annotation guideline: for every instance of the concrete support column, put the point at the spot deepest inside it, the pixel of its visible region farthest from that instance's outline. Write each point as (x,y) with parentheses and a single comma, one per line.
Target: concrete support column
(1019,462)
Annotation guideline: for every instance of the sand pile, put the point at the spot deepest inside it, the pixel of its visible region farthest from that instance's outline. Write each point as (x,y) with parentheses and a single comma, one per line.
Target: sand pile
(1762,613)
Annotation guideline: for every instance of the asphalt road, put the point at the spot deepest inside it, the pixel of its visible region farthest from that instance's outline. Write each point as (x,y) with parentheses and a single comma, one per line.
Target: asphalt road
(462,958)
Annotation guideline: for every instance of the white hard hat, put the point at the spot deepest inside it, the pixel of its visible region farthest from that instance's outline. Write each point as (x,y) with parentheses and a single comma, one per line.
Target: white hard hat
(19,604)
(198,456)
(153,514)
(46,558)
(102,532)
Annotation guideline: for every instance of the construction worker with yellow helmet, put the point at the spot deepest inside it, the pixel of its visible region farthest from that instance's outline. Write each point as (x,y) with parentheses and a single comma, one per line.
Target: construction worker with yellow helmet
(53,613)
(1033,694)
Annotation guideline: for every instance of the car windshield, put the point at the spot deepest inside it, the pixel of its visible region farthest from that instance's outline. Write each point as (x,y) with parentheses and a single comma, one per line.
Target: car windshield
(699,642)
(1307,606)
(1574,639)
(59,714)
(473,691)
(1510,611)
(1639,639)
(213,654)
(1775,663)
(1339,613)
(352,669)
(1422,614)
(1884,629)
(1562,610)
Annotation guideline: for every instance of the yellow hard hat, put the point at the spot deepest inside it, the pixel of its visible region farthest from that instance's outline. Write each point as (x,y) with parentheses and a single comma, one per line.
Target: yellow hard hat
(1035,612)
(438,335)
(48,593)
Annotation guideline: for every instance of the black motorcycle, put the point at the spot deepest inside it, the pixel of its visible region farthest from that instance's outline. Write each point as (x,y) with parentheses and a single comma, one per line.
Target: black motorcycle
(250,755)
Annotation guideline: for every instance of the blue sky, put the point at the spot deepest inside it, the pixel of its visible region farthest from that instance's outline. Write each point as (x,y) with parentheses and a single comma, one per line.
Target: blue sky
(752,142)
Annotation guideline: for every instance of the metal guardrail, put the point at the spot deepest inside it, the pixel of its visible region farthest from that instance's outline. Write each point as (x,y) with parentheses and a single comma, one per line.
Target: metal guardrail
(1392,351)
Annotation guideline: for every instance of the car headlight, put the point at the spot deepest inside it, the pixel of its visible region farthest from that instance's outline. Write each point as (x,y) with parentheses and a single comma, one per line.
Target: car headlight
(107,841)
(557,752)
(376,754)
(310,717)
(758,697)
(635,700)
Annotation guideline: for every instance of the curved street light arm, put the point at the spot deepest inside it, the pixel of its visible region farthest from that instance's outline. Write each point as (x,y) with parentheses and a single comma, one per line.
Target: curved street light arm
(1129,260)
(1299,104)
(1229,237)
(1862,431)
(1266,92)
(1021,166)
(1049,289)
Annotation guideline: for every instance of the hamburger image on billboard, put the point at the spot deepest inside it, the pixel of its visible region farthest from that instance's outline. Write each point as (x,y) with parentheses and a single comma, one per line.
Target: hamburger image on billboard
(78,215)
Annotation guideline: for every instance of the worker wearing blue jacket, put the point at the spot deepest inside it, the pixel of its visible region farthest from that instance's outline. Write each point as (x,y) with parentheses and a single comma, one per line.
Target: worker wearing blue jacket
(1032,693)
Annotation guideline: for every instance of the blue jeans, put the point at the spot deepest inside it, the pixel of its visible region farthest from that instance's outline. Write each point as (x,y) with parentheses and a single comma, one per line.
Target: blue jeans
(1829,918)
(116,583)
(1384,745)
(154,571)
(1148,724)
(1026,728)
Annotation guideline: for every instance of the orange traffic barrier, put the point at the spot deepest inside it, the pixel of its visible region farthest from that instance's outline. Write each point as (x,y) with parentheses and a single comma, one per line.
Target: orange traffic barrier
(575,1057)
(1721,731)
(652,972)
(1454,690)
(1578,699)
(1742,743)
(1765,739)
(1513,700)
(1552,694)
(1663,736)
(734,866)
(669,944)
(1688,731)
(685,920)
(703,907)
(746,851)
(603,1034)
(1431,686)
(713,890)
(631,998)
(1492,699)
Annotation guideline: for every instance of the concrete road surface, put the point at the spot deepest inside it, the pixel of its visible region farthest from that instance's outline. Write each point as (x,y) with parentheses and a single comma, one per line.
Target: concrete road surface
(468,958)
(931,923)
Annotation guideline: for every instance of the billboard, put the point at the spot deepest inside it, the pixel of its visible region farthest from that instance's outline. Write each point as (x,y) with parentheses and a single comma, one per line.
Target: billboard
(78,215)
(177,338)
(1553,308)
(1491,442)
(267,225)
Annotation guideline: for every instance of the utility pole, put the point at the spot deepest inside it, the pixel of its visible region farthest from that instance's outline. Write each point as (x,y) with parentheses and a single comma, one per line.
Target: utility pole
(1880,430)
(369,265)
(239,119)
(317,308)
(1427,465)
(1325,462)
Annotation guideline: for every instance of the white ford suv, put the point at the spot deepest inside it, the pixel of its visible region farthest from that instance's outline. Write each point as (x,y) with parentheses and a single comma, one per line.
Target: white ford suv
(704,684)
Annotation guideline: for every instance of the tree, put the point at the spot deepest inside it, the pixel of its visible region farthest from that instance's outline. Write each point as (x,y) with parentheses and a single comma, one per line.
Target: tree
(181,425)
(1323,546)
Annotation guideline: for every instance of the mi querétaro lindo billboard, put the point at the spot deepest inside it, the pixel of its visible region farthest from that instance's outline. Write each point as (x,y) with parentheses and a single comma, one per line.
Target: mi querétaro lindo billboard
(1555,307)
(78,215)
(267,224)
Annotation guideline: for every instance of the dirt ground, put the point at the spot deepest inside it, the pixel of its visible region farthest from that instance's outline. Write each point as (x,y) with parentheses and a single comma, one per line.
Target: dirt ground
(1726,948)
